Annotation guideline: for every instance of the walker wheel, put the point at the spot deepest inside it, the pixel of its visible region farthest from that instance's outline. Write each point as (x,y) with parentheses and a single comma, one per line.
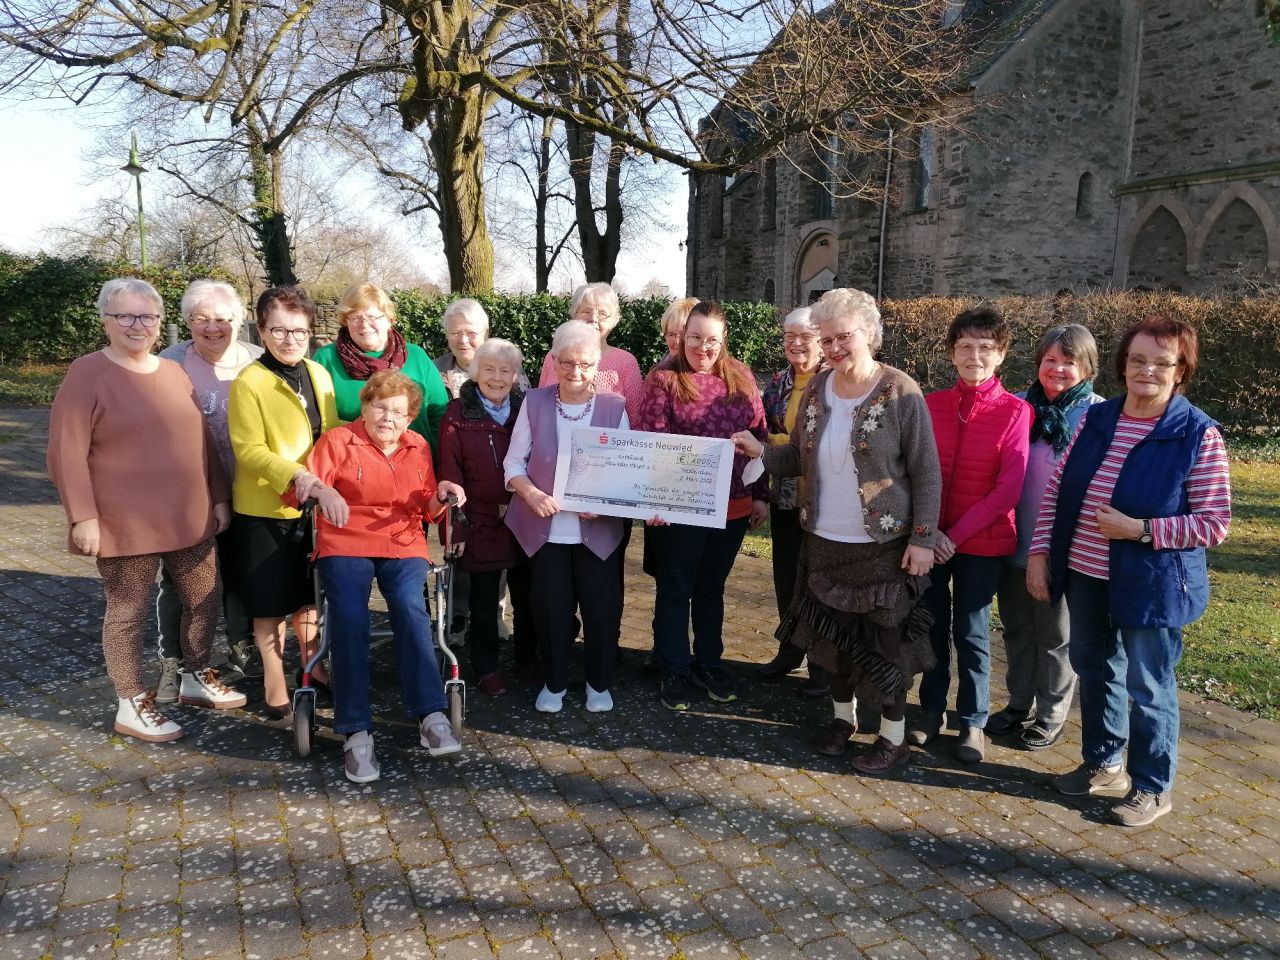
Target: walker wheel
(304,722)
(457,700)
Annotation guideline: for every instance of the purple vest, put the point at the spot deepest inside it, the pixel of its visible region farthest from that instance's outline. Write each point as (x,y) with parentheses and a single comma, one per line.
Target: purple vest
(602,535)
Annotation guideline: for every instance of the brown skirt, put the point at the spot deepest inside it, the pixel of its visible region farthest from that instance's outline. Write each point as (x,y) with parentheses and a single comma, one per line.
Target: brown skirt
(859,615)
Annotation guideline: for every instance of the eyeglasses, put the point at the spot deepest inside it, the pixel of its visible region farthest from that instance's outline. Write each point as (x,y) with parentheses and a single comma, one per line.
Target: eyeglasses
(694,340)
(281,334)
(586,313)
(380,412)
(978,349)
(366,317)
(1141,363)
(804,338)
(210,322)
(128,320)
(568,366)
(840,340)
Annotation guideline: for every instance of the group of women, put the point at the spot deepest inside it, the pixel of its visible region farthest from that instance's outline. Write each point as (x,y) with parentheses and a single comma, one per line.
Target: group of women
(897,517)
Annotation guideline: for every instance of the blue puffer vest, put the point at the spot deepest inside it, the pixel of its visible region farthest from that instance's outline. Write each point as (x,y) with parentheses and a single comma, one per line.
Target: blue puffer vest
(1148,588)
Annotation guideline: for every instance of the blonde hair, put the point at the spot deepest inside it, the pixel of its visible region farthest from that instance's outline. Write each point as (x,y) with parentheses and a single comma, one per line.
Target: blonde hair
(361,296)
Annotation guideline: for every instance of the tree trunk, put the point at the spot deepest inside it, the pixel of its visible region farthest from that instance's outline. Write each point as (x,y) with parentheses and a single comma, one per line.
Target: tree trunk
(457,147)
(270,225)
(543,257)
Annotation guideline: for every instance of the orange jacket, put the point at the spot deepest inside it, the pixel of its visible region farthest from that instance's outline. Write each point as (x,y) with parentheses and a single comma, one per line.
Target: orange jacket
(389,497)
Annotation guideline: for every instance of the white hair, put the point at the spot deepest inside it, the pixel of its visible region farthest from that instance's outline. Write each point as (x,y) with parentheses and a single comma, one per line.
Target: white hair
(801,318)
(601,293)
(574,334)
(128,287)
(200,293)
(499,350)
(468,309)
(848,302)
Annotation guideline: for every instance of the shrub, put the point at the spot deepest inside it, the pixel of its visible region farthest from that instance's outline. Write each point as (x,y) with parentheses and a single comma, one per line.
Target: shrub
(1238,382)
(47,304)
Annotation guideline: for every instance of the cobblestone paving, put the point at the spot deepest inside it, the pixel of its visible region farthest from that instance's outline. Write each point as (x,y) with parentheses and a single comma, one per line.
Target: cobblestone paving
(634,834)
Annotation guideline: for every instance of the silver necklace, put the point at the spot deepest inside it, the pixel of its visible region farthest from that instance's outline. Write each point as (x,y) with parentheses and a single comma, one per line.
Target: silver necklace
(586,410)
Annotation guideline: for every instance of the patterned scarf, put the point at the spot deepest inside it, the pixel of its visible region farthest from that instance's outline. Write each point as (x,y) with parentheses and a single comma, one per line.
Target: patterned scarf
(361,367)
(1050,421)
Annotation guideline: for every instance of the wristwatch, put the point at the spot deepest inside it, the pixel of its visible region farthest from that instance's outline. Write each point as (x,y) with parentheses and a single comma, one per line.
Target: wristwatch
(1146,532)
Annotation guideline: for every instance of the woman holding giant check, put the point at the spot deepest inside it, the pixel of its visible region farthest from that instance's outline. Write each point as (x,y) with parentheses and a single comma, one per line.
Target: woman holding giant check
(702,392)
(575,559)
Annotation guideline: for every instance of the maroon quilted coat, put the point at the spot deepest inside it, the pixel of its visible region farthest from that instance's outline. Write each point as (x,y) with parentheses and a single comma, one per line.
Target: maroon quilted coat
(472,447)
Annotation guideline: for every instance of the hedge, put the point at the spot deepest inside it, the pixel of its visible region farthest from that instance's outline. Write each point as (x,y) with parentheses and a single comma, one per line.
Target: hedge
(48,311)
(1238,381)
(47,316)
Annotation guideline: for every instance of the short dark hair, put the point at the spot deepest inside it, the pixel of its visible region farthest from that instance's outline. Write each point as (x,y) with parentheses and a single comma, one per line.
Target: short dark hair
(983,320)
(292,298)
(1167,332)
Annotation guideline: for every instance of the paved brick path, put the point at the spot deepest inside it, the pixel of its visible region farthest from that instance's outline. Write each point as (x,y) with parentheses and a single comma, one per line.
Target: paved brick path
(632,834)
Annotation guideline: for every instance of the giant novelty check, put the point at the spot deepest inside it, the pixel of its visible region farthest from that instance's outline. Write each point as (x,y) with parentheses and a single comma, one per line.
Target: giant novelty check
(627,473)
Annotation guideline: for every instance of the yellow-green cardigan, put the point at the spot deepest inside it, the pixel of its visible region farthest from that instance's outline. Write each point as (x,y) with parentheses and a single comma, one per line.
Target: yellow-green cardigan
(271,436)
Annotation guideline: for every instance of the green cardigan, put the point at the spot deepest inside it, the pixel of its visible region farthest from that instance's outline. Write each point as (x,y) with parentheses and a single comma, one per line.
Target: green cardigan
(418,367)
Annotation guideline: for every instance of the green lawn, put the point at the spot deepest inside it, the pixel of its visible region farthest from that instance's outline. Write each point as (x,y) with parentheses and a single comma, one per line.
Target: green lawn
(1232,655)
(29,385)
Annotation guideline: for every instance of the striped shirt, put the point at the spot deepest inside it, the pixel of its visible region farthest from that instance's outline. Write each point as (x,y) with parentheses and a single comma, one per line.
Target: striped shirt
(1208,497)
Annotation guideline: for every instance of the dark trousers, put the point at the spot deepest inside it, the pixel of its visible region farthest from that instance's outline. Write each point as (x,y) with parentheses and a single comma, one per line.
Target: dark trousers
(567,578)
(691,567)
(787,536)
(169,603)
(483,634)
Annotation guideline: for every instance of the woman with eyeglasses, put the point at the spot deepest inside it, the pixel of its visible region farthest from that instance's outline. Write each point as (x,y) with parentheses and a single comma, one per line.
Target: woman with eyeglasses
(575,559)
(279,406)
(869,508)
(781,404)
(376,487)
(1143,489)
(983,434)
(368,341)
(213,357)
(704,393)
(597,305)
(142,488)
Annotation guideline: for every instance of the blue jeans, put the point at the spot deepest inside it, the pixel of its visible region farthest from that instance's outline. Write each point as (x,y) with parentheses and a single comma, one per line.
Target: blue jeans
(959,597)
(1117,665)
(347,583)
(691,565)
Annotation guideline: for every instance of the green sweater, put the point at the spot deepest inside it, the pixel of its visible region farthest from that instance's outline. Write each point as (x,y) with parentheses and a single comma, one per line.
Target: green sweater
(417,367)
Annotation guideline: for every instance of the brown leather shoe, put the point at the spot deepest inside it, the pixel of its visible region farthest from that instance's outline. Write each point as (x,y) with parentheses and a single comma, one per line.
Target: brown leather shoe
(833,739)
(881,758)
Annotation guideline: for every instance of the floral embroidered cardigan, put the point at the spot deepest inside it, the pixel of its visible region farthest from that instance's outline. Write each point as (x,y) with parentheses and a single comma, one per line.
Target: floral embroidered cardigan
(900,482)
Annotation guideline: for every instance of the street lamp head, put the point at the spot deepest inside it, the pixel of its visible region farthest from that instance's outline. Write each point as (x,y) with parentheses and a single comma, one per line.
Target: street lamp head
(133,168)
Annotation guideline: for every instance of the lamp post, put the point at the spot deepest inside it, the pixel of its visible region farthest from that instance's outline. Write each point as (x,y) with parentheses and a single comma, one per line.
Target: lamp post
(134,169)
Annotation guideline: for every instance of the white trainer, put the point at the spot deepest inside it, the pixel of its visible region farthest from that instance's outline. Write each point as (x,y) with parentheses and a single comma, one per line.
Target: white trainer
(436,734)
(598,701)
(204,689)
(360,761)
(138,717)
(549,702)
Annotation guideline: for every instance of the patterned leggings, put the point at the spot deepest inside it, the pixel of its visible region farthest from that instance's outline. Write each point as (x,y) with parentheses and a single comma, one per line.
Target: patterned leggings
(128,582)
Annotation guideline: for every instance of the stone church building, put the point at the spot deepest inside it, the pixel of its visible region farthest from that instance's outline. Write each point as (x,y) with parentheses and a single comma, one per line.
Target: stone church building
(1111,143)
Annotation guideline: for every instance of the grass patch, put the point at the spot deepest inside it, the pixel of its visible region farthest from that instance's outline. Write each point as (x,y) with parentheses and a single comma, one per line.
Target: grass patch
(1232,654)
(30,385)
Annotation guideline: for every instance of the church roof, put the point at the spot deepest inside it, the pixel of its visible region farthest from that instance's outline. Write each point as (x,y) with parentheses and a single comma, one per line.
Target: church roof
(996,25)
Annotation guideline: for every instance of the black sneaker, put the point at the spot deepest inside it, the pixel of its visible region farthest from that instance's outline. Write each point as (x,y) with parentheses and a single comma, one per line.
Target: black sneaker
(675,692)
(716,681)
(244,659)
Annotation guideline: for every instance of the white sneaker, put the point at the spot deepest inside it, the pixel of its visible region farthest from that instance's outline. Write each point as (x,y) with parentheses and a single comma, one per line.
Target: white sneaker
(138,717)
(598,701)
(360,761)
(436,734)
(204,689)
(549,702)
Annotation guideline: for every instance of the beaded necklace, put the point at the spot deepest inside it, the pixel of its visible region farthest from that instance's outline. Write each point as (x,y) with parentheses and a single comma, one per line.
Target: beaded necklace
(586,410)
